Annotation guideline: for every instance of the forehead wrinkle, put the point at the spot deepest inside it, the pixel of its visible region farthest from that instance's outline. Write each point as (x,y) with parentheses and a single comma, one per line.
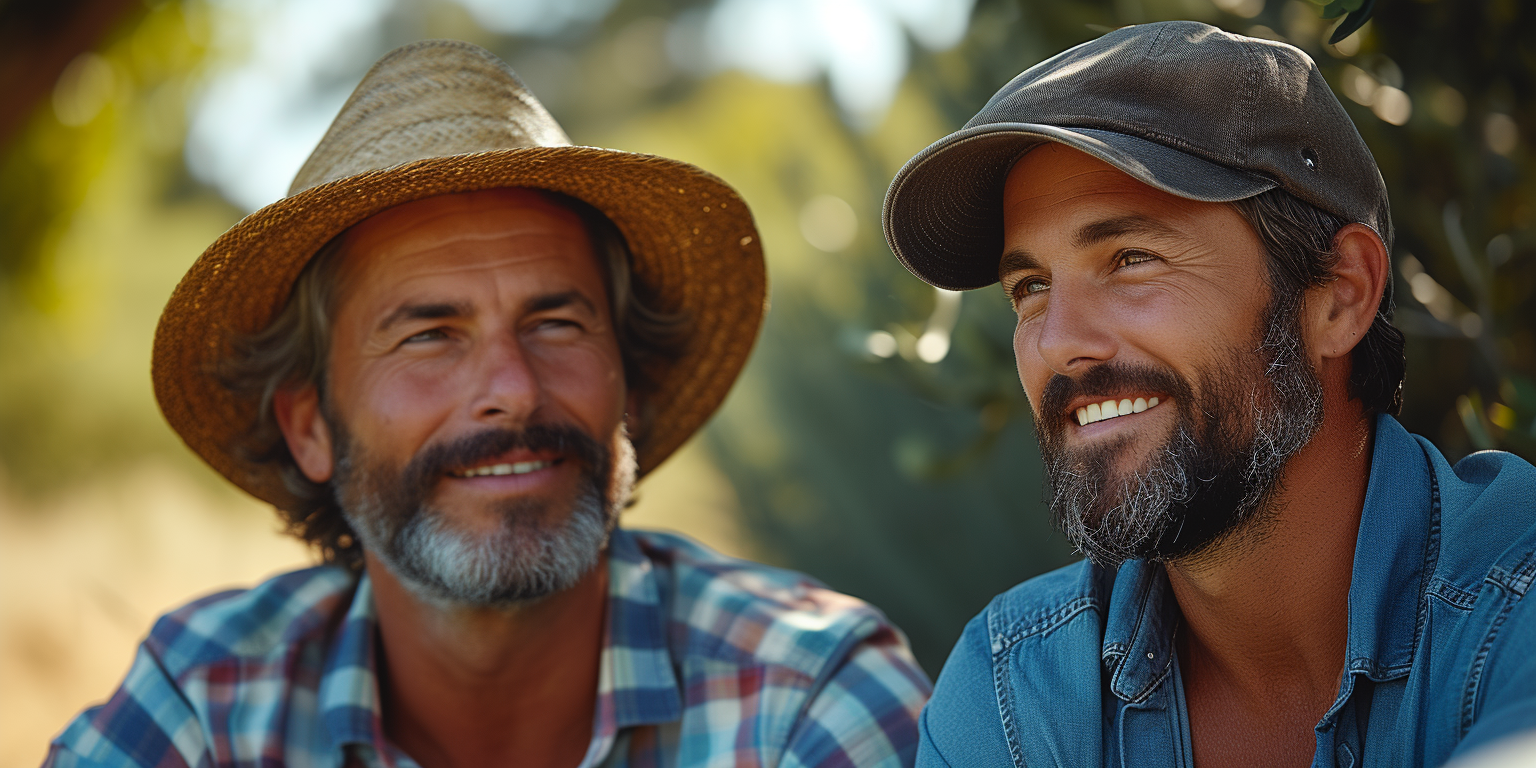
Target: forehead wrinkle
(416,275)
(1083,182)
(428,255)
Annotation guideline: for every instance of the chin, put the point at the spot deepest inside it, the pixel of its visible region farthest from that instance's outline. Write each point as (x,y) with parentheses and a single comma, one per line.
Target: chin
(528,551)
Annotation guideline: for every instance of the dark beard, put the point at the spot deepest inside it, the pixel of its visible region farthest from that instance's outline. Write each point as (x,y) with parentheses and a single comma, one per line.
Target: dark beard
(523,558)
(1212,477)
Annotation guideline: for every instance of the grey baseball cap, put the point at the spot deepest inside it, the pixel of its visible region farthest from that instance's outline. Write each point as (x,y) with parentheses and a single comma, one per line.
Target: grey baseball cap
(1182,106)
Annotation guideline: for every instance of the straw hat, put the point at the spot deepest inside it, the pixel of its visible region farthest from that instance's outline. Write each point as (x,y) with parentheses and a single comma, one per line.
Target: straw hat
(438,117)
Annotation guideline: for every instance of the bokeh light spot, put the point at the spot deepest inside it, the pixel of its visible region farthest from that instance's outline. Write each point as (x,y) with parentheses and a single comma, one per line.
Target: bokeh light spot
(828,223)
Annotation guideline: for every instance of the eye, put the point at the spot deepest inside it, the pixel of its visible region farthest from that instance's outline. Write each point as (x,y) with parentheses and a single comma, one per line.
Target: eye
(433,334)
(563,326)
(1027,285)
(557,322)
(1132,256)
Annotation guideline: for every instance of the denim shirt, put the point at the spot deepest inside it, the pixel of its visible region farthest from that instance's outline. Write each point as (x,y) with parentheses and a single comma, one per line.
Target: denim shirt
(1077,667)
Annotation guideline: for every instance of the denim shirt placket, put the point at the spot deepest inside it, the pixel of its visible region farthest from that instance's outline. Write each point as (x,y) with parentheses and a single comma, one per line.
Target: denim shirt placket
(1150,722)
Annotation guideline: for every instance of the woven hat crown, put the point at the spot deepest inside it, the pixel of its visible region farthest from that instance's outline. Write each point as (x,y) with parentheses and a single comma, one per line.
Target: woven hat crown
(429,99)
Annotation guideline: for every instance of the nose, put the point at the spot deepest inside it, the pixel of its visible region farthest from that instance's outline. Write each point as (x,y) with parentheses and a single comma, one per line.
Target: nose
(1074,333)
(507,389)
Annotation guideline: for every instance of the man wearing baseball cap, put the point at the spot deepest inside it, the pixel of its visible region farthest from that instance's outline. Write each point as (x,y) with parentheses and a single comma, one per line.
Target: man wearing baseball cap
(445,358)
(1195,240)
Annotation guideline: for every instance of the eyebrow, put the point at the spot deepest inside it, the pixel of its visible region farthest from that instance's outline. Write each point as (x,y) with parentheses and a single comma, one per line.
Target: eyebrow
(1016,260)
(550,301)
(1019,260)
(433,311)
(444,310)
(1108,229)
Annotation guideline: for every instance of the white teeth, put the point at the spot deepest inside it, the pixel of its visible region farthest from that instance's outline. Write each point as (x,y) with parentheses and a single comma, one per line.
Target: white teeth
(520,468)
(1109,409)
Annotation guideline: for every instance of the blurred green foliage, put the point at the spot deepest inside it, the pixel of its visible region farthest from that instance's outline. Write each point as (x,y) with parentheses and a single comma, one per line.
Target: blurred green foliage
(93,198)
(1461,172)
(913,484)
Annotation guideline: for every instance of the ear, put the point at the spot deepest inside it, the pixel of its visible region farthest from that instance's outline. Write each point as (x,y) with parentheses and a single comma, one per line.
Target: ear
(1342,310)
(305,430)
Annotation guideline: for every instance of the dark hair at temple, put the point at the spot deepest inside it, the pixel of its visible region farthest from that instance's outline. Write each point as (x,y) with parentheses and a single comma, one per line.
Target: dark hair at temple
(1299,239)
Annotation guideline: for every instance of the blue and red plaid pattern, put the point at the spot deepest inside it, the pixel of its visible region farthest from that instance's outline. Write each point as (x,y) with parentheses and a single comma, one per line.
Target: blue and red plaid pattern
(708,661)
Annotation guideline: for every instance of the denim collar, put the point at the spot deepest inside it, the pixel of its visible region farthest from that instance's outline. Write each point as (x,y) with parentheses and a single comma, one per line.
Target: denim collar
(1138,631)
(1394,553)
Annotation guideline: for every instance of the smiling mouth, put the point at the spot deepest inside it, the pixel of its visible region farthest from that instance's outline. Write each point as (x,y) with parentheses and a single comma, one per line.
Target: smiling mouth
(1109,409)
(513,468)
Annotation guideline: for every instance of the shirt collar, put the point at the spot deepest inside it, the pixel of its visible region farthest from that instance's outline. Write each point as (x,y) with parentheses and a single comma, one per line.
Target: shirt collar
(636,682)
(349,688)
(1392,552)
(1138,630)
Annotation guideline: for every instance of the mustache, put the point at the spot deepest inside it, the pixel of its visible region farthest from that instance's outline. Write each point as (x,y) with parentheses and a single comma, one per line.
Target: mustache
(431,463)
(1103,380)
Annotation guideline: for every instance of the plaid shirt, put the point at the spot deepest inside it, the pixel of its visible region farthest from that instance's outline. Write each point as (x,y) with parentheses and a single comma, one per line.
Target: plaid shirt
(708,661)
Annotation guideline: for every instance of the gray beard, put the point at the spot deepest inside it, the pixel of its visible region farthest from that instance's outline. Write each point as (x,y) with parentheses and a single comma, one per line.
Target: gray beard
(521,560)
(1204,484)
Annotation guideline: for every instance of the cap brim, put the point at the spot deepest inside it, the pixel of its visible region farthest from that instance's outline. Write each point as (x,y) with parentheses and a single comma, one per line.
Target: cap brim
(943,212)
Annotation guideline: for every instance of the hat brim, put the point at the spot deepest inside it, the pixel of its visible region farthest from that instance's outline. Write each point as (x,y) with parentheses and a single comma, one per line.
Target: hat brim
(693,242)
(943,214)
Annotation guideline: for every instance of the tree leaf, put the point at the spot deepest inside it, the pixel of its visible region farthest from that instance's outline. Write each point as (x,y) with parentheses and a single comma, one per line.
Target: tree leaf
(1355,20)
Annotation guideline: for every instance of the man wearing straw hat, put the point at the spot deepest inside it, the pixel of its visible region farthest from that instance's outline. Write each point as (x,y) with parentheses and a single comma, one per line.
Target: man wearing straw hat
(445,357)
(1195,240)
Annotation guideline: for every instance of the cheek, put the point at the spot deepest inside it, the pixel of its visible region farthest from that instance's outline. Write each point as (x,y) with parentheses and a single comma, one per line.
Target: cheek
(1033,371)
(404,399)
(1179,324)
(1214,296)
(586,381)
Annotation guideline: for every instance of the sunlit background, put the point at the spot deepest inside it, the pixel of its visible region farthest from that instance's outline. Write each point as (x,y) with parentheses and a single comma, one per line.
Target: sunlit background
(878,440)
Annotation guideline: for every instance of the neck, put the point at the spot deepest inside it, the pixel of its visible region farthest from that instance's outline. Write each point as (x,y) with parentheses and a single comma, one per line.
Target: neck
(470,686)
(1266,612)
